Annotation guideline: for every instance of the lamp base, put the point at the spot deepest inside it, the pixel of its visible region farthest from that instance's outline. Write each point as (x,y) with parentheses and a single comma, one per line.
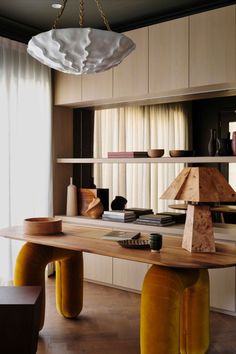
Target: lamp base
(198,230)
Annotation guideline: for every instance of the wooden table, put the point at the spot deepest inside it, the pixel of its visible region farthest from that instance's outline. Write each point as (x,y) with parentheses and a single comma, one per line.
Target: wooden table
(175,295)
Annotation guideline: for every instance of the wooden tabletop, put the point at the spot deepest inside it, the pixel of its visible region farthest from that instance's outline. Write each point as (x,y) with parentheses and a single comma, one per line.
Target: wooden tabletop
(89,240)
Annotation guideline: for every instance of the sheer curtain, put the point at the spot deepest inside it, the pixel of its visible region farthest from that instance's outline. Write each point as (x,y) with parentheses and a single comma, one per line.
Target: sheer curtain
(140,128)
(25,144)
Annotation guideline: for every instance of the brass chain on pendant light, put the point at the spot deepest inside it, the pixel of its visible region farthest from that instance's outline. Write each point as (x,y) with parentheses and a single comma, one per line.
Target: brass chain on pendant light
(103,16)
(81,14)
(59,14)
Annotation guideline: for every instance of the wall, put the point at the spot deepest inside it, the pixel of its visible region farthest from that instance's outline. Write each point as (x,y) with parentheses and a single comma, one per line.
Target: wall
(206,114)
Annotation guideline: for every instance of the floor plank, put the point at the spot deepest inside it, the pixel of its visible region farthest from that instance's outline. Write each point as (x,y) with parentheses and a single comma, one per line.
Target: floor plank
(109,324)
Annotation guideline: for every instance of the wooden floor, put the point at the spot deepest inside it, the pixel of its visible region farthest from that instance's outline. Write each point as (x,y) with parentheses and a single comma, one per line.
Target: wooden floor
(109,324)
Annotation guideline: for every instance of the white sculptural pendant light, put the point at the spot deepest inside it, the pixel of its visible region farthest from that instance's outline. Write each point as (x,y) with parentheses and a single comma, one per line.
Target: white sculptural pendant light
(80,50)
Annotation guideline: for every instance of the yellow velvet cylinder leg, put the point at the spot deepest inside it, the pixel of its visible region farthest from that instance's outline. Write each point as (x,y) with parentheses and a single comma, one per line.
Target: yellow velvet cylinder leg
(30,270)
(69,285)
(160,308)
(195,317)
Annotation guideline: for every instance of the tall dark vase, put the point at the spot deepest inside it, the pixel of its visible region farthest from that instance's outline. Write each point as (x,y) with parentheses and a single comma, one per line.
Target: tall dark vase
(212,143)
(234,143)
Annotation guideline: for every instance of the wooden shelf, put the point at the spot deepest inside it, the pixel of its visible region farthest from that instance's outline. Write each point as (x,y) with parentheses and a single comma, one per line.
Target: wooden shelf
(222,232)
(199,159)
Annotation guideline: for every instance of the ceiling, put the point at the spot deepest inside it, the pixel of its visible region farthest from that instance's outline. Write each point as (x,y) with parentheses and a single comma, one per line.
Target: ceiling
(20,19)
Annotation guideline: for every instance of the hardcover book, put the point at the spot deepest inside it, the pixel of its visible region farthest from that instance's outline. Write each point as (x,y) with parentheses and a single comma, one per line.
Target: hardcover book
(161,218)
(118,214)
(117,154)
(121,235)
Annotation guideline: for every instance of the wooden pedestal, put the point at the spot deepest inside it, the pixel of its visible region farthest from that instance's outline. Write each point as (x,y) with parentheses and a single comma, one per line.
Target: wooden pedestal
(19,319)
(198,230)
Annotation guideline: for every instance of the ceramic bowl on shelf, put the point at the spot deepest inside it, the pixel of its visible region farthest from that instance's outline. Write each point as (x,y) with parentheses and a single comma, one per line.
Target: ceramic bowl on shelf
(42,226)
(155,152)
(180,153)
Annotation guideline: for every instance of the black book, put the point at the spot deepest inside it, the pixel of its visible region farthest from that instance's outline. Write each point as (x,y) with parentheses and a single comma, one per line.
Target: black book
(140,211)
(161,218)
(179,218)
(153,223)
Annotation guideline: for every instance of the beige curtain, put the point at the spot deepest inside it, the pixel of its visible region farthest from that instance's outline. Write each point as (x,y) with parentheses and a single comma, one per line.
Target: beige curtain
(25,144)
(140,128)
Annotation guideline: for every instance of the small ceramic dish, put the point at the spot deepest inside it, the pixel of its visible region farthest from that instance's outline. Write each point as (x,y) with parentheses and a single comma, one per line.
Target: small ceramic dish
(42,226)
(155,152)
(180,153)
(135,243)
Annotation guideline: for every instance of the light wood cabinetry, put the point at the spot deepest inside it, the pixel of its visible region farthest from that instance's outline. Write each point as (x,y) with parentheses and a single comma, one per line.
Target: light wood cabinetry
(67,88)
(212,47)
(131,76)
(173,60)
(129,274)
(222,289)
(97,268)
(168,56)
(97,86)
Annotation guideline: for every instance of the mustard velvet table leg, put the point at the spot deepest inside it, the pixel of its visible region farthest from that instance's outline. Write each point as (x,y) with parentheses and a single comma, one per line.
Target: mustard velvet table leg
(160,308)
(30,270)
(195,316)
(69,285)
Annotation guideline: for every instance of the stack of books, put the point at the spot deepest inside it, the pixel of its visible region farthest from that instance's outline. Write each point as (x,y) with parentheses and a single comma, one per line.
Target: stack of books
(155,220)
(126,154)
(179,218)
(119,215)
(140,211)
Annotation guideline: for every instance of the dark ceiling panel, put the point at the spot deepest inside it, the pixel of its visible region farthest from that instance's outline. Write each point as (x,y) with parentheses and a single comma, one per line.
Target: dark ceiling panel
(20,19)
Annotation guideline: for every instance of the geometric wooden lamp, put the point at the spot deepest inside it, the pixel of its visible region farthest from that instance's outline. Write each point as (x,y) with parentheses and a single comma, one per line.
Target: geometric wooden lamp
(199,186)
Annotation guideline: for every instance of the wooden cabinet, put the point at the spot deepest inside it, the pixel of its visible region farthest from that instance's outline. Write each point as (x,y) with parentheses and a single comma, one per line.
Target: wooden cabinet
(212,47)
(168,56)
(97,268)
(114,271)
(129,274)
(222,289)
(67,88)
(97,86)
(131,76)
(190,55)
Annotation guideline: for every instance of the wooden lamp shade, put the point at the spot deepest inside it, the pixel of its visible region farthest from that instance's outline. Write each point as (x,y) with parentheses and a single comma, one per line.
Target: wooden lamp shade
(199,185)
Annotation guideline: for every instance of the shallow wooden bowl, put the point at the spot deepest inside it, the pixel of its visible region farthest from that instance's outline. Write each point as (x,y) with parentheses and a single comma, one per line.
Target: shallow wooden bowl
(42,226)
(180,153)
(155,152)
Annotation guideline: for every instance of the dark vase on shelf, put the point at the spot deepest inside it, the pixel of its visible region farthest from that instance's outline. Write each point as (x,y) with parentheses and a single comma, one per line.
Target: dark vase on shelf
(212,143)
(234,143)
(222,147)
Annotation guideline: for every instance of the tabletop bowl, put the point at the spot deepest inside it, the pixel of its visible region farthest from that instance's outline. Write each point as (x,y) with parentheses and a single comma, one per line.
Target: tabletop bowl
(42,226)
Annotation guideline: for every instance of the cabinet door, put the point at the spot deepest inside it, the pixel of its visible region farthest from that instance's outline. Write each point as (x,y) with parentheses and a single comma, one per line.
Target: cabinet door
(168,56)
(97,86)
(222,289)
(97,268)
(212,47)
(128,274)
(131,76)
(67,88)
